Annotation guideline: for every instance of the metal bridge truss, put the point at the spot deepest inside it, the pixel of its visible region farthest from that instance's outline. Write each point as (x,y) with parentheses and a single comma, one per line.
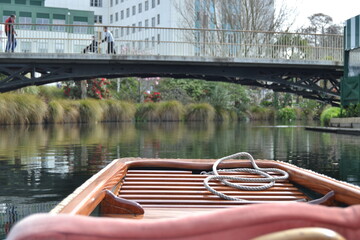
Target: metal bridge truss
(313,83)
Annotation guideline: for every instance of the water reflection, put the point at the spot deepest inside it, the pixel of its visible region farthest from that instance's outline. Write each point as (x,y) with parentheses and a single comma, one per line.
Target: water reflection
(40,165)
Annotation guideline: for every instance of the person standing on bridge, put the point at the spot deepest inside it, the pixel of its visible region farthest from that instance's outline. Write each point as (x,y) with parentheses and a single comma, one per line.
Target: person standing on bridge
(10,33)
(110,41)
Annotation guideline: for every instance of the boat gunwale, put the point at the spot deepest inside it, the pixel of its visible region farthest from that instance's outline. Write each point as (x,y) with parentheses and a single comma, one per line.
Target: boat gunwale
(86,197)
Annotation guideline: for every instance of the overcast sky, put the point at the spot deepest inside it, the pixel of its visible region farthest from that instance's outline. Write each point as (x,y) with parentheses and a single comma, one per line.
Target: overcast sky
(339,10)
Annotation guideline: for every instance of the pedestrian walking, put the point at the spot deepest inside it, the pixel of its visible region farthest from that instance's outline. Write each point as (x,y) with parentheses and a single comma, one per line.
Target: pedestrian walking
(10,33)
(110,41)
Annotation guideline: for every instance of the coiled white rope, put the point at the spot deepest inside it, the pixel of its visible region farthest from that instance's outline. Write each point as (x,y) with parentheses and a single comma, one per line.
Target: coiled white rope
(257,170)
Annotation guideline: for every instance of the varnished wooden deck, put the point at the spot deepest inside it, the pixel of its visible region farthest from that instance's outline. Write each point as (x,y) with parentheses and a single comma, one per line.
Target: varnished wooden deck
(171,193)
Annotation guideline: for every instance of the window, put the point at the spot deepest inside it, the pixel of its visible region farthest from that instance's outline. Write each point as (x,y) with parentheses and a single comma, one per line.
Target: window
(146,43)
(98,19)
(42,18)
(111,3)
(25,46)
(95,3)
(117,2)
(128,30)
(146,5)
(25,18)
(158,19)
(153,22)
(133,28)
(111,18)
(35,3)
(152,3)
(122,14)
(158,38)
(59,28)
(78,29)
(158,2)
(116,17)
(42,47)
(139,25)
(20,2)
(122,32)
(59,47)
(128,12)
(133,10)
(140,7)
(153,41)
(147,23)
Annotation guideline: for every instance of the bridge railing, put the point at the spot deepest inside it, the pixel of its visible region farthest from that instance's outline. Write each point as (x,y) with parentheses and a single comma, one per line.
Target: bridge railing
(132,40)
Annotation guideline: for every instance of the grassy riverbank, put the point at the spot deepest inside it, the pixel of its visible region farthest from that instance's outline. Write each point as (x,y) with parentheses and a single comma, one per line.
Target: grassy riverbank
(31,109)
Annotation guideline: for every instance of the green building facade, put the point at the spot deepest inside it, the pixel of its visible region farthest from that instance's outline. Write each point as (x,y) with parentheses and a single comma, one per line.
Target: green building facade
(44,37)
(35,12)
(350,84)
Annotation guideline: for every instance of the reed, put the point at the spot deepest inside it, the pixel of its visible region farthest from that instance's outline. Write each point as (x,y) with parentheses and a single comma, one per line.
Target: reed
(171,111)
(199,112)
(147,112)
(118,111)
(56,112)
(21,109)
(71,111)
(222,115)
(90,111)
(261,113)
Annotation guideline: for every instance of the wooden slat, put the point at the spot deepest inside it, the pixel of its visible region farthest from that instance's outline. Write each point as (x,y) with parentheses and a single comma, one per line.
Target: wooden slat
(124,193)
(200,202)
(195,198)
(166,183)
(195,188)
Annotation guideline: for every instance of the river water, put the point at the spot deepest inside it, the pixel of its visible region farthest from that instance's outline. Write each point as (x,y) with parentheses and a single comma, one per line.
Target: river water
(41,165)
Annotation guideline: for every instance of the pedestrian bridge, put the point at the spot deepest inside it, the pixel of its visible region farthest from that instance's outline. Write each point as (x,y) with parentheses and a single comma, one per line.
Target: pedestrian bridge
(306,64)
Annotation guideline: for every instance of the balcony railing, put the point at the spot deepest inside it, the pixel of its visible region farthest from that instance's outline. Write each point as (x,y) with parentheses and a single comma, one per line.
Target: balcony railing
(130,40)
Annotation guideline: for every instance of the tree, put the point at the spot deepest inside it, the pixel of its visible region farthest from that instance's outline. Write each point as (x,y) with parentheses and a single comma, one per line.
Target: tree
(246,26)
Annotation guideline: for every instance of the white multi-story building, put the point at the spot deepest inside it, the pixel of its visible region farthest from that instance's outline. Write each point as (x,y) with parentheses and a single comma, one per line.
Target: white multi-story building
(129,20)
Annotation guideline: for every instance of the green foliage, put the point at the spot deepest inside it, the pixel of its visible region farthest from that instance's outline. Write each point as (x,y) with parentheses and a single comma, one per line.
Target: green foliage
(261,113)
(128,89)
(287,114)
(195,89)
(50,92)
(199,112)
(353,110)
(327,114)
(310,108)
(95,88)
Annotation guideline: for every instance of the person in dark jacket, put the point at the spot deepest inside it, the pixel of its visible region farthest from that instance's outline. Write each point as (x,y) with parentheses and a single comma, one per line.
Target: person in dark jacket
(93,47)
(10,33)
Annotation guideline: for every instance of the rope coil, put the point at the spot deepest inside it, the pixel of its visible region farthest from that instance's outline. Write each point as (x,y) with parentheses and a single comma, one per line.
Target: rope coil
(266,177)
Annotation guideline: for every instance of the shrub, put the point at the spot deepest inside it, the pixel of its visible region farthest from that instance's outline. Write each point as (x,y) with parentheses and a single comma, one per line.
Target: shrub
(261,113)
(147,112)
(328,114)
(116,111)
(90,111)
(287,114)
(199,112)
(171,111)
(22,109)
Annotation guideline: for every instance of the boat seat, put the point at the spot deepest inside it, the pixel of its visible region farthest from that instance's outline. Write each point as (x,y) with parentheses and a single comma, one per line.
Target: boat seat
(243,222)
